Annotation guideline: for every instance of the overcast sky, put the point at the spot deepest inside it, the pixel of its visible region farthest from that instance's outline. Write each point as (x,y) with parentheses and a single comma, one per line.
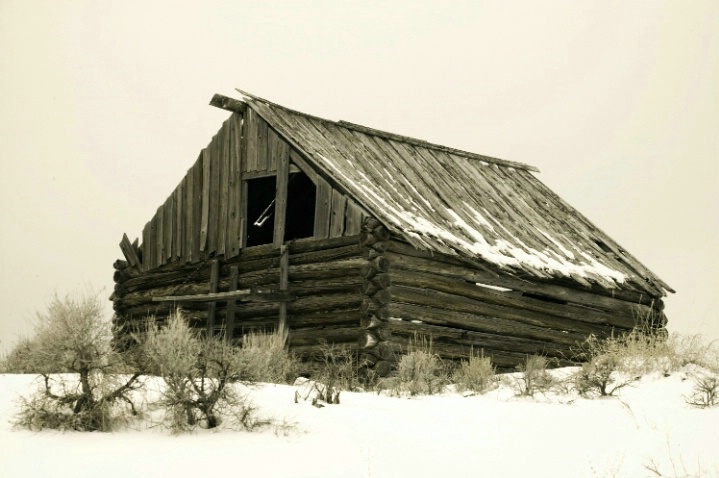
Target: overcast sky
(103,107)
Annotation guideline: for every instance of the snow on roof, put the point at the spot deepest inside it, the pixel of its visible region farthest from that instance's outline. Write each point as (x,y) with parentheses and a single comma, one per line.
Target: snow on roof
(432,196)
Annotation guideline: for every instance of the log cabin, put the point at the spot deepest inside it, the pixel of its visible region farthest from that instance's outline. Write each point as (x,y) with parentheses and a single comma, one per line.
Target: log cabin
(343,234)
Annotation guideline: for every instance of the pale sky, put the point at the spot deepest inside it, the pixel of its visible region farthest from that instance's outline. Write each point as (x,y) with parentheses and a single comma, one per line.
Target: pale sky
(103,107)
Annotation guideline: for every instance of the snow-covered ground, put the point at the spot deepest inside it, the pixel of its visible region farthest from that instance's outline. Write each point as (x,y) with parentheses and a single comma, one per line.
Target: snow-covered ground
(370,435)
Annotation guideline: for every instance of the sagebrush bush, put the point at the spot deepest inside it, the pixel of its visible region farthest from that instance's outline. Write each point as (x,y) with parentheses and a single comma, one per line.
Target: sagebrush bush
(420,372)
(198,374)
(201,374)
(338,367)
(475,375)
(72,336)
(604,372)
(265,358)
(706,390)
(533,376)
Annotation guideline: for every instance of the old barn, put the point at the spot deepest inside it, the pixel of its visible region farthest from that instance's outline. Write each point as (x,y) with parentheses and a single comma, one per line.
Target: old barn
(337,232)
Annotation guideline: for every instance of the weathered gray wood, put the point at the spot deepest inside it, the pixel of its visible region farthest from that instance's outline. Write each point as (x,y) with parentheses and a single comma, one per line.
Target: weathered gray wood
(251,135)
(514,300)
(407,258)
(188,210)
(281,184)
(262,146)
(430,298)
(198,205)
(337,218)
(215,193)
(255,294)
(232,240)
(168,217)
(304,166)
(159,226)
(178,225)
(323,209)
(224,187)
(129,252)
(204,224)
(229,104)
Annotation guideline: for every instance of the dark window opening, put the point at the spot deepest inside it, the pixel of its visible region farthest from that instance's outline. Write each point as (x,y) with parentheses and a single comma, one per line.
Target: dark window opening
(300,218)
(260,210)
(544,298)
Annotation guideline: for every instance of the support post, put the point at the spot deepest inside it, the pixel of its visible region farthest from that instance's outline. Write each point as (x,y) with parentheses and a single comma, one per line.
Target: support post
(212,307)
(230,319)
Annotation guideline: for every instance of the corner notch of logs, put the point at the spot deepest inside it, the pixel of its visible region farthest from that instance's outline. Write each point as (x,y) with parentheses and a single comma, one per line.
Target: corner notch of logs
(375,351)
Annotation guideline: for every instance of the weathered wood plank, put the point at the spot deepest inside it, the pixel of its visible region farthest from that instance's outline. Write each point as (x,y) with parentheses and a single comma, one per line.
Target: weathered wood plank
(429,298)
(562,289)
(281,185)
(168,216)
(178,224)
(323,209)
(250,136)
(129,252)
(215,193)
(235,191)
(204,224)
(535,303)
(198,204)
(337,218)
(353,216)
(188,210)
(304,166)
(243,214)
(262,146)
(224,186)
(229,104)
(146,241)
(160,218)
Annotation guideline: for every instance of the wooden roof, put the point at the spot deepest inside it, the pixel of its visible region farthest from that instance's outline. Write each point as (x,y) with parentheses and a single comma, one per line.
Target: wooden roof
(476,207)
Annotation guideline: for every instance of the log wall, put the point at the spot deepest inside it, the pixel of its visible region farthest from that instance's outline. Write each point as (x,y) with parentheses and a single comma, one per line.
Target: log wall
(465,309)
(323,278)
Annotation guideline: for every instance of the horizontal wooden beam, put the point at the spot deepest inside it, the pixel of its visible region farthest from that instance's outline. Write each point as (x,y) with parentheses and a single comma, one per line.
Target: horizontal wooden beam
(229,104)
(261,295)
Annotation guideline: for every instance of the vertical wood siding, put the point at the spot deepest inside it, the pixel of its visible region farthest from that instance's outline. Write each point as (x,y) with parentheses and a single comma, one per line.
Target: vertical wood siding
(205,215)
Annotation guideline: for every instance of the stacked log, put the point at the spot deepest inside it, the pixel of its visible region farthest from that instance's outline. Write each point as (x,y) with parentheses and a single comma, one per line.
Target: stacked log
(374,339)
(324,283)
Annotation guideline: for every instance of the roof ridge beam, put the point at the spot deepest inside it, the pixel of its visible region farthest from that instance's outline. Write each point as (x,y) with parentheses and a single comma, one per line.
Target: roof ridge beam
(227,103)
(396,137)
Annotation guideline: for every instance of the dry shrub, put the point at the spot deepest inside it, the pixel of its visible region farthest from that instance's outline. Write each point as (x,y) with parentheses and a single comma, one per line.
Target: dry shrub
(603,373)
(199,376)
(641,352)
(338,368)
(420,372)
(706,390)
(475,375)
(265,358)
(72,336)
(533,376)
